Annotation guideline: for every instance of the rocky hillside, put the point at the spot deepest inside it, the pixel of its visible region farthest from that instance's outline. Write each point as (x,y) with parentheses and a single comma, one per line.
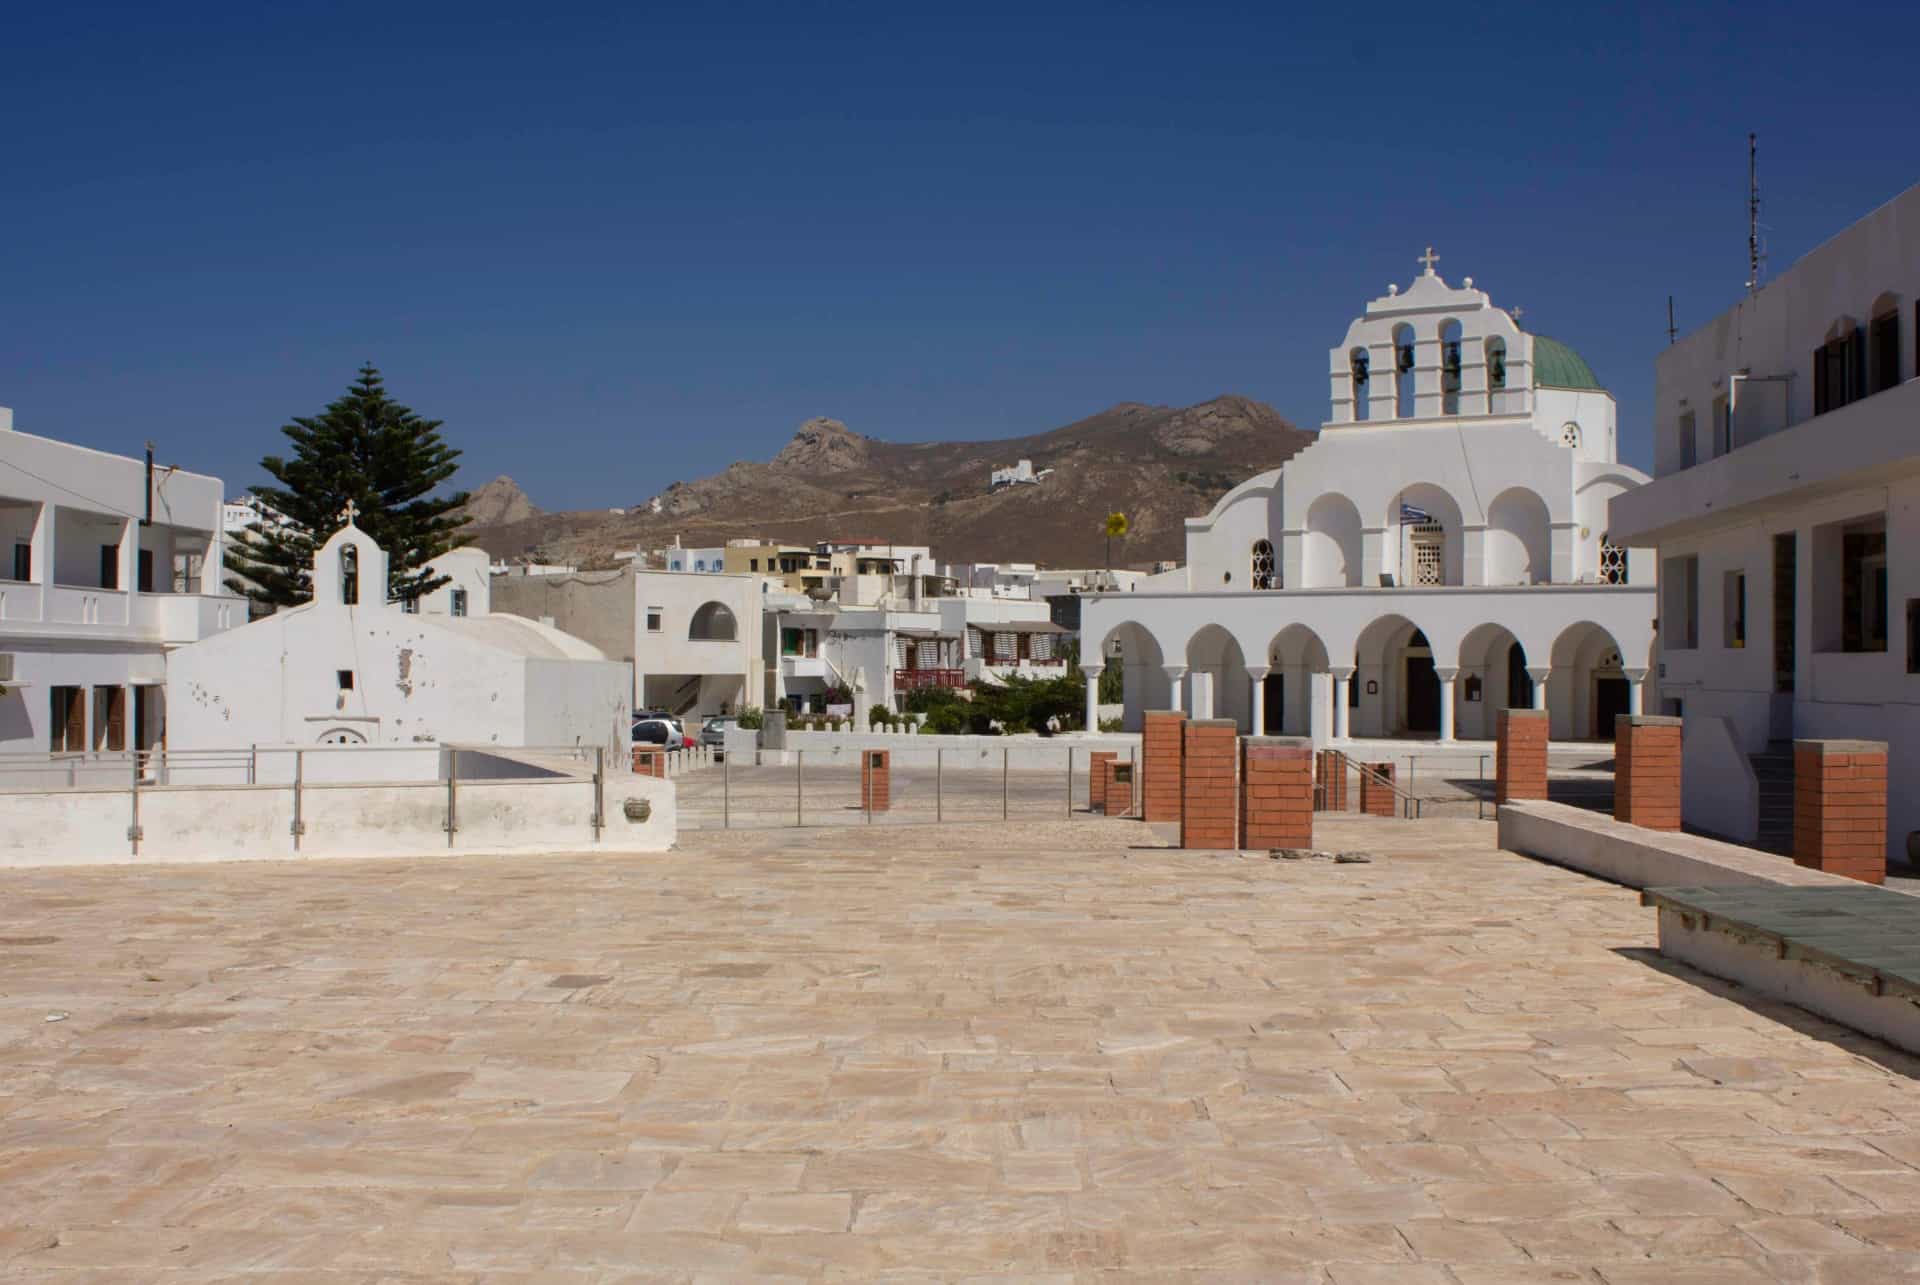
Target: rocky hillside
(1159,465)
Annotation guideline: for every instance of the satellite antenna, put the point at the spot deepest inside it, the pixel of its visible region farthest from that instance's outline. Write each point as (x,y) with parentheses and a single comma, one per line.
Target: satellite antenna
(1671,332)
(1753,215)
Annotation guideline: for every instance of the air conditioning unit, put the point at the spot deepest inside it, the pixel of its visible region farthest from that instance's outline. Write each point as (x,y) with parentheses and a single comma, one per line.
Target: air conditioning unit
(6,667)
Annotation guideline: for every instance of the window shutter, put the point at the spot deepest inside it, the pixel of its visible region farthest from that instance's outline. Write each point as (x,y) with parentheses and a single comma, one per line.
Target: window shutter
(1820,381)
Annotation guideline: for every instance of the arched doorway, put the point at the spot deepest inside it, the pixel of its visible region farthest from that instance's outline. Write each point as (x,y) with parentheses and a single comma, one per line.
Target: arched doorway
(1589,686)
(1297,680)
(1422,686)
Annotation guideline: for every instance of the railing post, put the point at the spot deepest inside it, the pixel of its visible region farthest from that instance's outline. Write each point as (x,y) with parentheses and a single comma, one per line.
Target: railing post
(939,763)
(726,792)
(1069,782)
(299,826)
(253,764)
(599,790)
(1006,754)
(799,787)
(133,826)
(453,794)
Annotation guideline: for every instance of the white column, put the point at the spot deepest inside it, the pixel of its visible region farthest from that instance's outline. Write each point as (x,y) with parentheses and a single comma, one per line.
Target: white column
(1176,679)
(213,567)
(1539,675)
(130,562)
(1257,675)
(1093,673)
(1342,675)
(1636,690)
(1200,692)
(1447,677)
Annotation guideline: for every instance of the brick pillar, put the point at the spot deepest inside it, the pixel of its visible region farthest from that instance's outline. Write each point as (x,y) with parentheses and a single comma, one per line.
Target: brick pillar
(1116,787)
(1376,790)
(1097,779)
(1207,811)
(1330,772)
(1276,792)
(876,780)
(1161,750)
(1840,808)
(1520,755)
(649,760)
(1646,771)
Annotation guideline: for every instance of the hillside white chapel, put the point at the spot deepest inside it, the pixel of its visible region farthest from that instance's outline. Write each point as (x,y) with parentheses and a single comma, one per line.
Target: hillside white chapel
(1438,554)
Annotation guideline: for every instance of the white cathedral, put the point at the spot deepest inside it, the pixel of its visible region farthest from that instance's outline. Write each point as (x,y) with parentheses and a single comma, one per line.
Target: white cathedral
(1438,554)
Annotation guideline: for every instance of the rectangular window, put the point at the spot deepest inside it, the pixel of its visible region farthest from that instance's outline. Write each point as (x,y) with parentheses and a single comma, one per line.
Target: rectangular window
(1734,600)
(1839,372)
(1883,345)
(655,620)
(109,566)
(1722,428)
(1680,605)
(23,562)
(1689,444)
(1863,590)
(1913,635)
(753,564)
(143,576)
(110,719)
(344,677)
(1785,608)
(67,728)
(457,601)
(410,606)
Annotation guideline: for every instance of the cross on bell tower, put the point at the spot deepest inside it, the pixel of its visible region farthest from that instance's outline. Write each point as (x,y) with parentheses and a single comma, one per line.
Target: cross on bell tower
(349,513)
(1429,258)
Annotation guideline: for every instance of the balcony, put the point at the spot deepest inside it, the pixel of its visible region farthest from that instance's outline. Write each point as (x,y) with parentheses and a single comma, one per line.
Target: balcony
(19,600)
(908,680)
(71,605)
(804,667)
(188,617)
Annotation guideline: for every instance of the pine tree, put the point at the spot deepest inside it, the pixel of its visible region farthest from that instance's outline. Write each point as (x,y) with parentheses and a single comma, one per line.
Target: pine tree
(371,450)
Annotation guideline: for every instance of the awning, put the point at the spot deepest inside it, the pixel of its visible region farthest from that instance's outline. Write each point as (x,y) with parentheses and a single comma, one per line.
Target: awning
(925,635)
(1019,627)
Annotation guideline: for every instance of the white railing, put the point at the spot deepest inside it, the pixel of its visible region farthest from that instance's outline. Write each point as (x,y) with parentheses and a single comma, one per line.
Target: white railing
(75,605)
(20,600)
(188,617)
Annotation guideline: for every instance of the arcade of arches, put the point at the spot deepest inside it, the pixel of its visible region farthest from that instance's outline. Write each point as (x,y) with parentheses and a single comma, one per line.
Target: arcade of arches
(1394,682)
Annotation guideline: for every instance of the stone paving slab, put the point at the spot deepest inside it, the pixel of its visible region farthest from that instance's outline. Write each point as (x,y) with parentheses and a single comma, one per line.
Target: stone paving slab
(1047,1051)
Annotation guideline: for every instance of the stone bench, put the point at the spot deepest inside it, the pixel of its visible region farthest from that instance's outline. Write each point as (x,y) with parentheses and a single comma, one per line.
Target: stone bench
(1850,954)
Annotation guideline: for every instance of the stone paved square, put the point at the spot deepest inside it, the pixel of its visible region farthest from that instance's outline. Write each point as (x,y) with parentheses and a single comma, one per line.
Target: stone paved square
(1044,1051)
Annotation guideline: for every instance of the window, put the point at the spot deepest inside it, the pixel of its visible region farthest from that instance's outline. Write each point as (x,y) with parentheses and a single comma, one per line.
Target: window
(712,623)
(67,729)
(799,642)
(143,571)
(110,719)
(1689,440)
(1734,603)
(349,575)
(109,566)
(1263,576)
(344,679)
(457,602)
(1613,562)
(410,606)
(1839,368)
(1883,345)
(1680,605)
(1863,590)
(1722,428)
(1570,435)
(655,620)
(1913,635)
(1428,545)
(23,562)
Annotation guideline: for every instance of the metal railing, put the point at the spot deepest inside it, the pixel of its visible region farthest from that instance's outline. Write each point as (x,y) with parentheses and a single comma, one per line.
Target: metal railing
(815,787)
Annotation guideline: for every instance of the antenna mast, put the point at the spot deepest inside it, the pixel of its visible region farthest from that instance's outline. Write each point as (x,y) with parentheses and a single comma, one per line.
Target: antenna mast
(1671,332)
(1753,215)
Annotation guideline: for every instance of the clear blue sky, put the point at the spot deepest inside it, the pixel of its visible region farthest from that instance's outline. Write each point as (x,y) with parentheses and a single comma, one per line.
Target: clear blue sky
(613,246)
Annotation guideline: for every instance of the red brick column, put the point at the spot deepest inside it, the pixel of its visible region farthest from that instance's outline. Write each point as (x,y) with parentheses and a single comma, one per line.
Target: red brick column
(1276,792)
(1097,779)
(649,760)
(876,780)
(1116,787)
(1207,811)
(1646,771)
(1520,755)
(1840,808)
(1162,747)
(1376,790)
(1330,771)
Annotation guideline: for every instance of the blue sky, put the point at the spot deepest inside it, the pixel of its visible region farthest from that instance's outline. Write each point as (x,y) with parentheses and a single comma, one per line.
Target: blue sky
(615,246)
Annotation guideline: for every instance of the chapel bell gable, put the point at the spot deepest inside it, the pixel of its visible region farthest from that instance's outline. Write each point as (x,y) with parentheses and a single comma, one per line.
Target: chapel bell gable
(350,569)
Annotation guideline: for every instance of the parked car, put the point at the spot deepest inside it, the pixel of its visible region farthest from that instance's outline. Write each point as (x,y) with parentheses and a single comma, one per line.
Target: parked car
(713,731)
(660,731)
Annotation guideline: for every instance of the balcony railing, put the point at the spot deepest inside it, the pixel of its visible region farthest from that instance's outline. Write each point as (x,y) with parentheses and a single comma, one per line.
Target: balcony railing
(908,680)
(1019,662)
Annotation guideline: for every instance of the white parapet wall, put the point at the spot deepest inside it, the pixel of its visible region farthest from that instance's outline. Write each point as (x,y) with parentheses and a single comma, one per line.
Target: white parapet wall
(1029,753)
(1641,858)
(194,823)
(1719,792)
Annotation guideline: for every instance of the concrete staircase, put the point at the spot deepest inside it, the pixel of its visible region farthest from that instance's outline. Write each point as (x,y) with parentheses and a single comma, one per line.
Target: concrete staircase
(1773,770)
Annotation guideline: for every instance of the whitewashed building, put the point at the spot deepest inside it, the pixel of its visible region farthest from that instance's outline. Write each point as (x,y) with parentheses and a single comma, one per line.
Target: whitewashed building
(1786,511)
(1439,553)
(351,668)
(105,568)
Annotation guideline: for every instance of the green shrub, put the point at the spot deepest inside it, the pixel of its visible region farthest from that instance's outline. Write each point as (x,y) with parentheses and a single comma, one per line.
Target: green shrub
(879,716)
(751,718)
(1109,724)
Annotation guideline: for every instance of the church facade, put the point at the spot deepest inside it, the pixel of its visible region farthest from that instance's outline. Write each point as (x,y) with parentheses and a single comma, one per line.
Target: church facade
(1440,553)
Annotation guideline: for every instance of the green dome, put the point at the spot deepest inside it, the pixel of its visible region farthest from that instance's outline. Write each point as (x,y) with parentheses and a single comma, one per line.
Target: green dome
(1557,366)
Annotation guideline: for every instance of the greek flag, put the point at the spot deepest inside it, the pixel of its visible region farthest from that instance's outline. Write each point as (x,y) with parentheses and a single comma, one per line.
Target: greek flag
(1409,513)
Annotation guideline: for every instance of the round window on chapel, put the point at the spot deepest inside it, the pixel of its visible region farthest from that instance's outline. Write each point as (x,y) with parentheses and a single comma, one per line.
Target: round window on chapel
(1570,435)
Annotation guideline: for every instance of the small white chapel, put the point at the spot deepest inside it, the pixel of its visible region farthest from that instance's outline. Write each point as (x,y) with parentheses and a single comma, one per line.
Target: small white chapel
(350,667)
(1438,554)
